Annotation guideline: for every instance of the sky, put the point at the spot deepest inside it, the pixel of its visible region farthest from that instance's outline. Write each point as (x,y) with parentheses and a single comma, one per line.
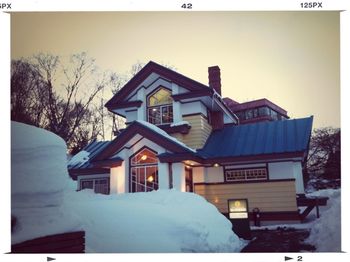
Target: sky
(290,58)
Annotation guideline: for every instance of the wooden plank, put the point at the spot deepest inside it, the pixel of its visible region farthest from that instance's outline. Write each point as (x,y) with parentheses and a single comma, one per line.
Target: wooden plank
(67,242)
(57,237)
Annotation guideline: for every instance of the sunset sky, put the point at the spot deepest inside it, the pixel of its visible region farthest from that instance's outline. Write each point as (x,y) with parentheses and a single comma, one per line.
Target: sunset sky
(290,58)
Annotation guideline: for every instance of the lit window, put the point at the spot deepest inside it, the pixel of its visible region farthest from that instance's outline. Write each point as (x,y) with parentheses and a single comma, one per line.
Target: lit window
(233,175)
(144,171)
(160,107)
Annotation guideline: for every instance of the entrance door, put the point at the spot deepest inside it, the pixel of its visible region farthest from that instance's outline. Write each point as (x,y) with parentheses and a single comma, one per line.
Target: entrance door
(189,179)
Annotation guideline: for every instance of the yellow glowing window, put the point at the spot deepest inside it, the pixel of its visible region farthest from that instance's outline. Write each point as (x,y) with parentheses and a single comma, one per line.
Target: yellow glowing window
(161,97)
(160,107)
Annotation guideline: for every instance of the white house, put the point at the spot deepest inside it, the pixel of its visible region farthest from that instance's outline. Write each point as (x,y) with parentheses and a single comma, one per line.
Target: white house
(181,134)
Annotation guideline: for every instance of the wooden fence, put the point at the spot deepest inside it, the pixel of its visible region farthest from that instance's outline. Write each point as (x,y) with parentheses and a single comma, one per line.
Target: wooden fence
(73,242)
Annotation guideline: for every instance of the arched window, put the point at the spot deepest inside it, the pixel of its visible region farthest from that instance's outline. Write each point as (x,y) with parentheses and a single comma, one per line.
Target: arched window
(144,171)
(160,107)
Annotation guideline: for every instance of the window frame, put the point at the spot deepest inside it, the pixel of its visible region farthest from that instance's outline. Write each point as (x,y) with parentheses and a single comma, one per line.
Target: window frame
(94,183)
(160,108)
(246,173)
(132,180)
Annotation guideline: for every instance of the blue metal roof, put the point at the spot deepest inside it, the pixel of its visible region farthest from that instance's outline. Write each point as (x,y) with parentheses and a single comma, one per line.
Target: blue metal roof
(259,138)
(93,148)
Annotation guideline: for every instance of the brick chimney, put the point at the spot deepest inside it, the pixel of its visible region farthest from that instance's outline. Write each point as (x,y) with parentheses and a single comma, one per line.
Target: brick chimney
(214,78)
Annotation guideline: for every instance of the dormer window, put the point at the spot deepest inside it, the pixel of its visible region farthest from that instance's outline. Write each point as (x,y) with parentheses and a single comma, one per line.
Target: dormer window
(160,107)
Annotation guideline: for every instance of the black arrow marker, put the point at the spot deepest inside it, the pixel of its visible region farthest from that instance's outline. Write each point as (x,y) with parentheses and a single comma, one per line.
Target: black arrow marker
(50,259)
(287,258)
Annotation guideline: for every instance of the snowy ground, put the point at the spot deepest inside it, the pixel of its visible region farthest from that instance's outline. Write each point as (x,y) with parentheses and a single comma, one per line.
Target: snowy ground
(45,202)
(38,179)
(158,221)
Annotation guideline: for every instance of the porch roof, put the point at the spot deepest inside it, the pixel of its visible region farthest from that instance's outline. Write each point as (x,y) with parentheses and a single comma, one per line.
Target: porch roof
(92,149)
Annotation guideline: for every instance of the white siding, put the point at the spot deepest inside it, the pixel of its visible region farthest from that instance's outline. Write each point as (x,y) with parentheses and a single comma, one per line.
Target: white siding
(163,175)
(130,116)
(281,170)
(214,174)
(298,175)
(193,108)
(245,166)
(179,176)
(118,179)
(156,84)
(141,111)
(176,105)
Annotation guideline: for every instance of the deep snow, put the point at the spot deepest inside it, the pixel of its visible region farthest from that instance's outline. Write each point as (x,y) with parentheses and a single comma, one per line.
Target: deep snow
(38,179)
(38,160)
(158,221)
(45,202)
(326,231)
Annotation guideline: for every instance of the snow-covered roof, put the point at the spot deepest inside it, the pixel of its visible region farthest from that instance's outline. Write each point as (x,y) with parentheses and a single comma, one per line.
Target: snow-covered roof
(164,134)
(82,159)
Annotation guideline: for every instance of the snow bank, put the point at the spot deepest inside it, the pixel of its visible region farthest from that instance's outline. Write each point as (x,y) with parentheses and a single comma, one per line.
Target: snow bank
(158,221)
(38,178)
(326,231)
(38,160)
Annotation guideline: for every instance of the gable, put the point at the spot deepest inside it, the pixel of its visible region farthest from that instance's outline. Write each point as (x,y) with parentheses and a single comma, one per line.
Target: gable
(142,130)
(163,72)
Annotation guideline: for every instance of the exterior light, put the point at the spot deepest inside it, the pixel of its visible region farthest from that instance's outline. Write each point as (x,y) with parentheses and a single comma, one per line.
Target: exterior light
(216,165)
(150,179)
(238,208)
(144,157)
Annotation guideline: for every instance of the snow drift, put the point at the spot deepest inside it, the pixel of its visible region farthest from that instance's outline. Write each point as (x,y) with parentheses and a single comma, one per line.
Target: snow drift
(158,221)
(38,160)
(326,231)
(45,202)
(38,178)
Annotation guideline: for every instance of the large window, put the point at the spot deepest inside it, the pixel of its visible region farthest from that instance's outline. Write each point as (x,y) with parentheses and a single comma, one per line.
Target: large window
(99,185)
(245,174)
(144,171)
(160,107)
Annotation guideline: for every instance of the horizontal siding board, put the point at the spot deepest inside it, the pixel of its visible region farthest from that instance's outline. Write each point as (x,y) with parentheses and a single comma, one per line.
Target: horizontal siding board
(242,191)
(248,186)
(267,196)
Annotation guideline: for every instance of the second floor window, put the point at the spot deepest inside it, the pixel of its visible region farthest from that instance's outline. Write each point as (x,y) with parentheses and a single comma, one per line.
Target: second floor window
(160,107)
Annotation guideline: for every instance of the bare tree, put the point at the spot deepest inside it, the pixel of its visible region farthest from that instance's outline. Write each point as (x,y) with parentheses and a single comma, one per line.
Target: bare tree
(323,160)
(57,96)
